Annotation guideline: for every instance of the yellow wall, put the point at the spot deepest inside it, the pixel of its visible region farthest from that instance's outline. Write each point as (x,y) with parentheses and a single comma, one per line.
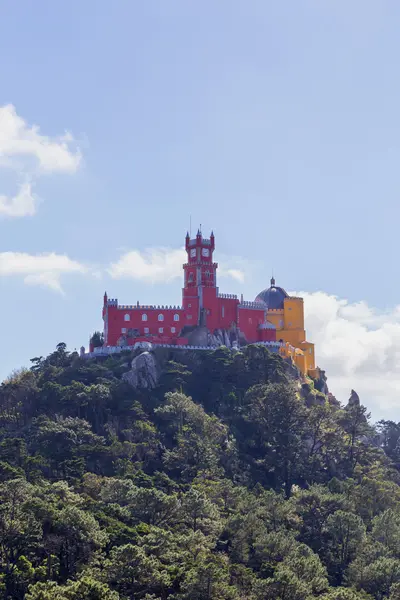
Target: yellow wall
(308,349)
(289,324)
(276,317)
(293,313)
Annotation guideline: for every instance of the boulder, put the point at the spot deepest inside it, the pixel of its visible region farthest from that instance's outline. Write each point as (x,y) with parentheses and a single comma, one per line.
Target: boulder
(144,372)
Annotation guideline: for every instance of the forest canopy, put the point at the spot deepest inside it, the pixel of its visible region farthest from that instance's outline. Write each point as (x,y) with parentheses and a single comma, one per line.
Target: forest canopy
(231,480)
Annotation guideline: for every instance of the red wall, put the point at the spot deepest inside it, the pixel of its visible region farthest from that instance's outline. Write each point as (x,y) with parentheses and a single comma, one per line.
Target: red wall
(116,321)
(249,320)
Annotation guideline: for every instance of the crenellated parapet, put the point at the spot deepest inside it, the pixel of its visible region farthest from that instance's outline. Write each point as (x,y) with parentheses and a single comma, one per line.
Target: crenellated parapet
(227,296)
(202,263)
(266,325)
(252,305)
(147,307)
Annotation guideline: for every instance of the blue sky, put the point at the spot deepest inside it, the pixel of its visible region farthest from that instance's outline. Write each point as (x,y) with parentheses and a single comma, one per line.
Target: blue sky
(275,124)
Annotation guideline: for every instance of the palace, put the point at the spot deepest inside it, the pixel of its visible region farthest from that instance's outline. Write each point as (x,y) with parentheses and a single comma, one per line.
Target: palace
(208,318)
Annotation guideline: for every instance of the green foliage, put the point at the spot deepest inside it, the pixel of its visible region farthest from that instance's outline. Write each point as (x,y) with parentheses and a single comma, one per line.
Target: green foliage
(231,480)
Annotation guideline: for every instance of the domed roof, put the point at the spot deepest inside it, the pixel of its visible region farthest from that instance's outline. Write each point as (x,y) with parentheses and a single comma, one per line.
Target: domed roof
(273,297)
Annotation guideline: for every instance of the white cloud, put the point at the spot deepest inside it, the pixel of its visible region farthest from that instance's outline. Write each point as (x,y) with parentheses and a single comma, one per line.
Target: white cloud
(21,205)
(27,152)
(359,348)
(236,274)
(40,269)
(161,265)
(18,139)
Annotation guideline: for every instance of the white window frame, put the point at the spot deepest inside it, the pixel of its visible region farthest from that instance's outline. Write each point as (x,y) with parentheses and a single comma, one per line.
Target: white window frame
(127,317)
(176,317)
(123,329)
(161,317)
(173,329)
(161,330)
(144,317)
(146,330)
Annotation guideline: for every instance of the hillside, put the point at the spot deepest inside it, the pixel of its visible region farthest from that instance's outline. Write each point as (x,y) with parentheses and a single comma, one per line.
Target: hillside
(229,480)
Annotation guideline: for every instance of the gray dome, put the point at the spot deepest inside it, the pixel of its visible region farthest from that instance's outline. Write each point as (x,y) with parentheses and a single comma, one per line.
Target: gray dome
(273,297)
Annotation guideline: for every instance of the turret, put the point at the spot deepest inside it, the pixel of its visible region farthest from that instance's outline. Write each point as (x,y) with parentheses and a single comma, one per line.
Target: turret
(105,298)
(200,270)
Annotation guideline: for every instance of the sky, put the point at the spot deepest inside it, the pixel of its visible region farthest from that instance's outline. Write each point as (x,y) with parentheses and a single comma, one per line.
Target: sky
(276,124)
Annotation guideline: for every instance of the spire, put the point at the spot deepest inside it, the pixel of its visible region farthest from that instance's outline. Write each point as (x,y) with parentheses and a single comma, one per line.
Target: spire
(272,280)
(187,234)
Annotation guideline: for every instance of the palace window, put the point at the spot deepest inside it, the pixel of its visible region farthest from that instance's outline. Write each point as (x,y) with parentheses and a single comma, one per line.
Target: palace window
(127,317)
(208,274)
(161,330)
(190,277)
(173,329)
(176,317)
(161,317)
(146,330)
(144,317)
(223,311)
(123,330)
(281,323)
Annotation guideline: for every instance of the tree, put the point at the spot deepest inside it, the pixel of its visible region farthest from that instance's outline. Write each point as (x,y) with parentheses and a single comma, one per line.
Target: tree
(345,533)
(86,588)
(97,339)
(275,427)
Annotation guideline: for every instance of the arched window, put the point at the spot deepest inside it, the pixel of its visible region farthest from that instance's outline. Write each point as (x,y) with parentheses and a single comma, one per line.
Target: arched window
(176,317)
(127,317)
(161,330)
(190,277)
(208,274)
(161,317)
(173,330)
(144,317)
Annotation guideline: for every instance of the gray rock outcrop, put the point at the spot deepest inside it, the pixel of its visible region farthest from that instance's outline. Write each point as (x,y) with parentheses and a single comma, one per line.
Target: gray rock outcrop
(144,372)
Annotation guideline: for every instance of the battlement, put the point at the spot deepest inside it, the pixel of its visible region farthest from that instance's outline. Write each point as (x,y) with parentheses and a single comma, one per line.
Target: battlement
(252,305)
(266,325)
(147,307)
(201,263)
(227,296)
(204,242)
(149,346)
(112,302)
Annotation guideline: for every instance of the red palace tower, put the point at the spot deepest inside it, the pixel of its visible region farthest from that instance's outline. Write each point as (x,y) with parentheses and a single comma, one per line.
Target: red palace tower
(205,317)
